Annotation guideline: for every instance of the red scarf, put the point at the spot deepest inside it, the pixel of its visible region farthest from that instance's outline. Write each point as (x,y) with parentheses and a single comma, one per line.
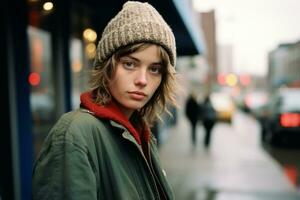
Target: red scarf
(111,111)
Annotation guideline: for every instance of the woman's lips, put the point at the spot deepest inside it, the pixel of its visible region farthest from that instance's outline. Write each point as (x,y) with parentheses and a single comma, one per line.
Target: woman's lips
(137,95)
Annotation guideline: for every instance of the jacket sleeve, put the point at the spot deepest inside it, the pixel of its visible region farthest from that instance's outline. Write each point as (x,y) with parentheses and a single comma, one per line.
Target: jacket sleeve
(63,172)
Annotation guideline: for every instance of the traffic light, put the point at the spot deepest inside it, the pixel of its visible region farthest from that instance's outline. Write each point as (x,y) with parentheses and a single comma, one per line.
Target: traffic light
(244,79)
(231,79)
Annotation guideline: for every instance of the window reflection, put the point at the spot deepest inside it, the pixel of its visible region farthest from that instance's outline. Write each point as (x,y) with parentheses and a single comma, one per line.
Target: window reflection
(41,82)
(79,67)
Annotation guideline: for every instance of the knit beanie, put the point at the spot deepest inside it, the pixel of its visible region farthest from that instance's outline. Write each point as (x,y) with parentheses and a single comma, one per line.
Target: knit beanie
(137,22)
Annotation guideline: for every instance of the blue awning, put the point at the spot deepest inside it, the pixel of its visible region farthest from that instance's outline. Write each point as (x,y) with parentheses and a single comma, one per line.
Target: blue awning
(191,24)
(176,13)
(186,30)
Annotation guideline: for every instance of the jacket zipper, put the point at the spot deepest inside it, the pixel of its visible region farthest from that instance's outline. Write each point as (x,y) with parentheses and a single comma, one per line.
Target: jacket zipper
(129,137)
(151,165)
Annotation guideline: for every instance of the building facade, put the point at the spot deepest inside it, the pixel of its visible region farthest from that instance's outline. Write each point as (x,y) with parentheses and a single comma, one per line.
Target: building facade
(284,65)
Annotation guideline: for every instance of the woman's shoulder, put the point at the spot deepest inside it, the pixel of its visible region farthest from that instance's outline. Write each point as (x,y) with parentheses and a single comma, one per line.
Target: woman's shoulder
(79,118)
(75,131)
(76,127)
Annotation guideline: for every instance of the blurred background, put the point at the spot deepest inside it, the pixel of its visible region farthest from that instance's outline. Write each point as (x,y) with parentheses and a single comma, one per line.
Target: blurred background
(244,55)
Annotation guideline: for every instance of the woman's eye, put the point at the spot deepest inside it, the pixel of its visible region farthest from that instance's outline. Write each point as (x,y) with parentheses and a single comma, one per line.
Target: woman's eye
(155,69)
(128,65)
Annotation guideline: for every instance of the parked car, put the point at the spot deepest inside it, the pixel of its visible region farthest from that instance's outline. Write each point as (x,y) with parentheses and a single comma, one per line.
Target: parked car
(224,105)
(255,100)
(256,104)
(262,113)
(282,122)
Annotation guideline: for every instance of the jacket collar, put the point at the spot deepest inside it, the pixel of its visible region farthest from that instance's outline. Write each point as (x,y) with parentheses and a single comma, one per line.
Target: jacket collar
(112,112)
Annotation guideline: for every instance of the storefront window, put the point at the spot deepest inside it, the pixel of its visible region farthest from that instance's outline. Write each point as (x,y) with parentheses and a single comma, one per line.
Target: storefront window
(82,49)
(45,50)
(41,82)
(42,95)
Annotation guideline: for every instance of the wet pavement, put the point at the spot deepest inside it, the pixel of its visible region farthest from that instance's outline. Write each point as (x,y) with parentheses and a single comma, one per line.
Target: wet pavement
(234,167)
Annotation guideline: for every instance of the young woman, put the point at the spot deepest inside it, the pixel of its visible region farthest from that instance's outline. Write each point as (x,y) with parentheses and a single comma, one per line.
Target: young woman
(105,149)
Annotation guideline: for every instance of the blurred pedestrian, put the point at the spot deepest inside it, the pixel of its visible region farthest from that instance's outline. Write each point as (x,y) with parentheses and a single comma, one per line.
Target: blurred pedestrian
(105,149)
(192,113)
(155,132)
(209,118)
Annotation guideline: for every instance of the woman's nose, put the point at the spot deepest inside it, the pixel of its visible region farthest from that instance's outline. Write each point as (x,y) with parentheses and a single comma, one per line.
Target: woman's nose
(141,78)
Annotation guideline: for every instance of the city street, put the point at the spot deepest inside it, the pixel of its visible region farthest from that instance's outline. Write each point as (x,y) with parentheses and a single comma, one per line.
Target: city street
(235,167)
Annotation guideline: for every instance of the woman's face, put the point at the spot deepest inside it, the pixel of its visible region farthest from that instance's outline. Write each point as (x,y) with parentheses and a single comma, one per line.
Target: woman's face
(136,79)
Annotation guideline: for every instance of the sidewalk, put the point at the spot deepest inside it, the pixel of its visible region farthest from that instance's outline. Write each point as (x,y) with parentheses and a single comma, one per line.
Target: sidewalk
(235,167)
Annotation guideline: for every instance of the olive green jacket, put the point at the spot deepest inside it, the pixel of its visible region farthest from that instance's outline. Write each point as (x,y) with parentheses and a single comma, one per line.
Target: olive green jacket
(85,157)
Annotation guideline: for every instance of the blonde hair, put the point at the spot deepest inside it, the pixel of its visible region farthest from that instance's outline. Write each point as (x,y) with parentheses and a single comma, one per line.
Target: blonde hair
(165,93)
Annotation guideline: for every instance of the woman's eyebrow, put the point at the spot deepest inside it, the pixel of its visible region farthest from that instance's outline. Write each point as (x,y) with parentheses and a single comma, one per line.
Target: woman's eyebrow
(138,60)
(157,63)
(133,58)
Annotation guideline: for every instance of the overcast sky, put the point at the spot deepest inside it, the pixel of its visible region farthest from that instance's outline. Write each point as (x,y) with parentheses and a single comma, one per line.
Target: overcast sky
(254,27)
